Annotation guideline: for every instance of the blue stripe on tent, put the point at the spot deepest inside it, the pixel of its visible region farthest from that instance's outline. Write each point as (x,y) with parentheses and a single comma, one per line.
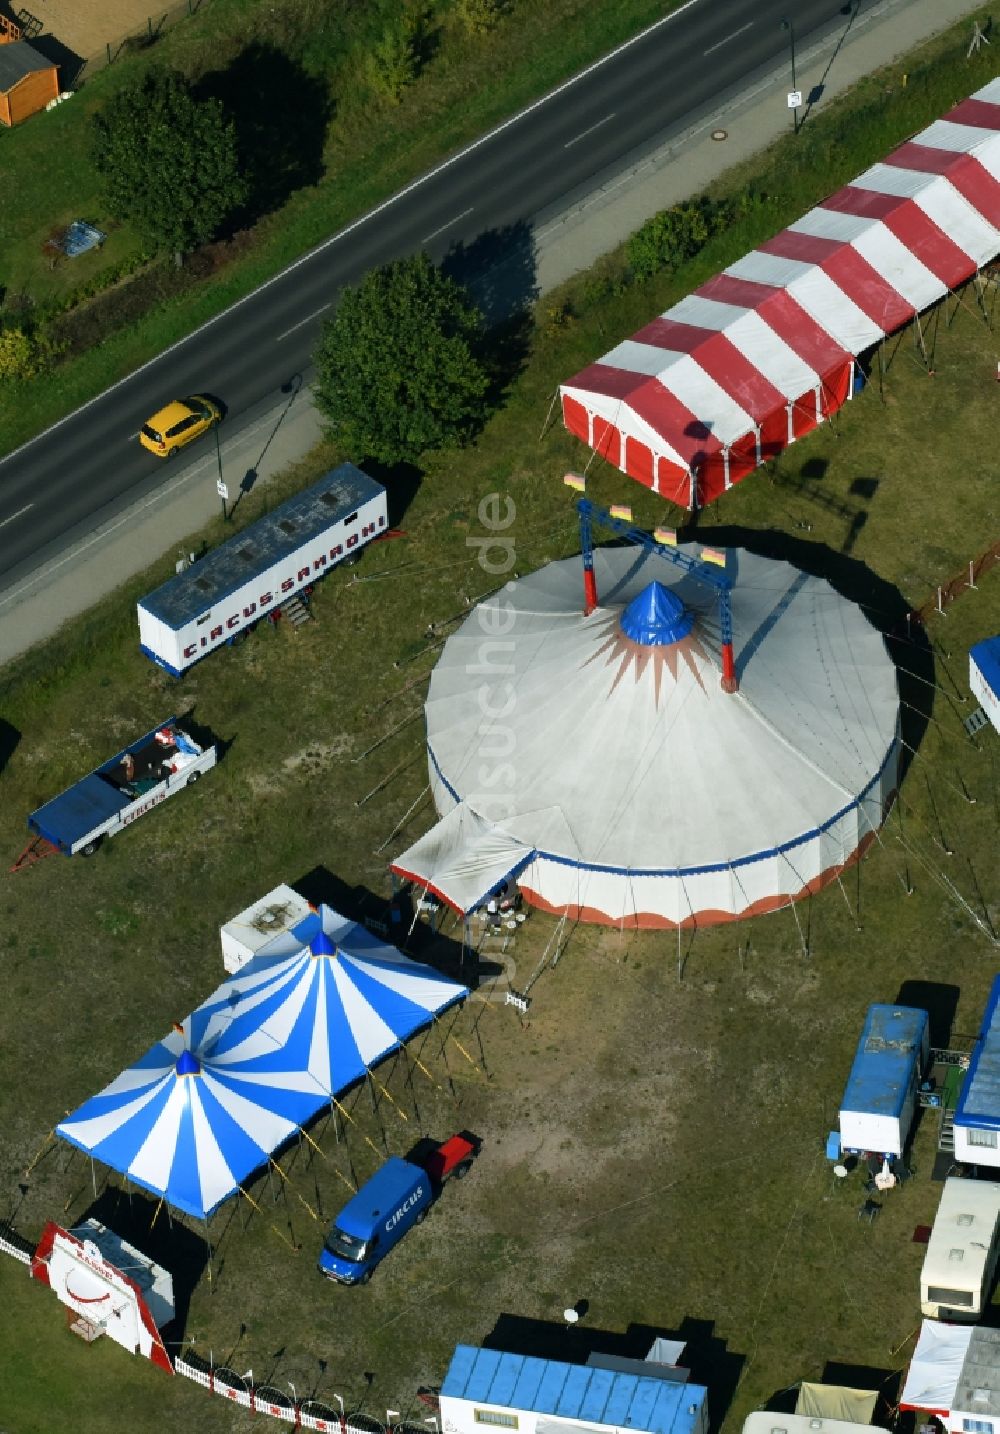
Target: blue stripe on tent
(399,1013)
(346,1064)
(246,1022)
(119,1147)
(240,1151)
(297,1106)
(183,1187)
(682,871)
(158,1058)
(366,962)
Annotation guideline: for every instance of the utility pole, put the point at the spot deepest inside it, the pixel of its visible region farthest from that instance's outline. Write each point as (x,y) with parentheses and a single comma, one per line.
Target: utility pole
(794,98)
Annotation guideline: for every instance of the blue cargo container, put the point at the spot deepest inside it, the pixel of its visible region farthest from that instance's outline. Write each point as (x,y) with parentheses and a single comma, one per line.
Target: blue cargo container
(881,1096)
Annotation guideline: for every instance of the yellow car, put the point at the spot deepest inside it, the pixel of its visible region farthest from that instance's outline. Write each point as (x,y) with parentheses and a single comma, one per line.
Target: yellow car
(179,423)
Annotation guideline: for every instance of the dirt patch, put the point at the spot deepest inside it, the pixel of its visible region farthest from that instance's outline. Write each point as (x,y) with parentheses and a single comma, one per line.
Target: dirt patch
(87,26)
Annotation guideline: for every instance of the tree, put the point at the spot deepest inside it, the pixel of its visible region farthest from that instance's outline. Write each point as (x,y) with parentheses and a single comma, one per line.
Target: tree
(394,62)
(675,235)
(167,161)
(22,355)
(479,17)
(398,369)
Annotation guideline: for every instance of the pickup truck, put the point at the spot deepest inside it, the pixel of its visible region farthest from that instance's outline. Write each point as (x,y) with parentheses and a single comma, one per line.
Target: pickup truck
(396,1198)
(156,766)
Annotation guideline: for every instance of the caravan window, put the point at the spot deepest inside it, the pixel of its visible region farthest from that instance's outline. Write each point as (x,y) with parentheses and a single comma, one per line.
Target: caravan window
(509,1421)
(938,1296)
(985,1138)
(977,1426)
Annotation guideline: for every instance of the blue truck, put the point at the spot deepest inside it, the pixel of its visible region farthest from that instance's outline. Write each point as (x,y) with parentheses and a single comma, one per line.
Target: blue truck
(396,1198)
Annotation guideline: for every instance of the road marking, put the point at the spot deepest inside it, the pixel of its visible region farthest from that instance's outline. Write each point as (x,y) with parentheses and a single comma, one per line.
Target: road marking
(463,215)
(410,188)
(166,490)
(719,44)
(307,320)
(20,511)
(583,133)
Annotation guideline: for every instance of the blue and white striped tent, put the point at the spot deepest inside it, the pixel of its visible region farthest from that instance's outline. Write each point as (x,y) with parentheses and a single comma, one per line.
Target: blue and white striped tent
(200,1112)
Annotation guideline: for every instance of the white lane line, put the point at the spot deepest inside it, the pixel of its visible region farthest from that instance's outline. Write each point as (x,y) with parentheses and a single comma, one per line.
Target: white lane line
(719,44)
(583,133)
(464,214)
(167,490)
(18,514)
(414,184)
(307,320)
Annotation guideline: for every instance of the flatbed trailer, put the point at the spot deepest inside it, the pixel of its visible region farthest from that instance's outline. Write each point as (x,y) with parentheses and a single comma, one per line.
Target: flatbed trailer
(216,600)
(118,792)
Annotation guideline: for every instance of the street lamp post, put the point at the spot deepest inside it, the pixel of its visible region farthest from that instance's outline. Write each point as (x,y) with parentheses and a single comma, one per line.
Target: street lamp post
(786,24)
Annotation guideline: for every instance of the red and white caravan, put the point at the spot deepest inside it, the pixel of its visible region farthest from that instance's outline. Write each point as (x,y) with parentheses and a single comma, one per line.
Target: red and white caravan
(766,350)
(108,1287)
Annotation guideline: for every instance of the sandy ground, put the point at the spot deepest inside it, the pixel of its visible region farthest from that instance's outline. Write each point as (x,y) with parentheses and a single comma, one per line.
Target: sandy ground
(86,26)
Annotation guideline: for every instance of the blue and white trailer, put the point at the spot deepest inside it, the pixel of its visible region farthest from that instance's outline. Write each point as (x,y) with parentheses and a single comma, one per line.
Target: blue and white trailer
(977,1113)
(880,1101)
(221,596)
(984,676)
(113,796)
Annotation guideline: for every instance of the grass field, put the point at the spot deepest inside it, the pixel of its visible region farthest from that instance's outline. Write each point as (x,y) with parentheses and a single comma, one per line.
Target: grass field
(652,1144)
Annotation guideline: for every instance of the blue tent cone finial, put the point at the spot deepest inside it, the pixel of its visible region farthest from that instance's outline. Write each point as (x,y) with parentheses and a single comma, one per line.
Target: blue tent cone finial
(188,1064)
(656,617)
(321,945)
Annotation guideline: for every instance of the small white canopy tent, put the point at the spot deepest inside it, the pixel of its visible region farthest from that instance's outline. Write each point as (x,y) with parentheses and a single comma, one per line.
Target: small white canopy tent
(463,859)
(955,1374)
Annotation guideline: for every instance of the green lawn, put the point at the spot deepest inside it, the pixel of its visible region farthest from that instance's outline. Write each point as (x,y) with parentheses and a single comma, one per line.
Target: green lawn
(651,1144)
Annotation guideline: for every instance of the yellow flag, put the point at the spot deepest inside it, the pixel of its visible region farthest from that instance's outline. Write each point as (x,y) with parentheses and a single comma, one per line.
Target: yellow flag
(575,480)
(713,555)
(622,511)
(667,536)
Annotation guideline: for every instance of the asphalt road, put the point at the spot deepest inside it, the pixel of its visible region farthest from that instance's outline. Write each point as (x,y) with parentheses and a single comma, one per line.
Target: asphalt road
(479,208)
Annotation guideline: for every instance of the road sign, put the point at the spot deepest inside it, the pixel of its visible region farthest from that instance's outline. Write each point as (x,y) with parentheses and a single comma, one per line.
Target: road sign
(221,489)
(794,99)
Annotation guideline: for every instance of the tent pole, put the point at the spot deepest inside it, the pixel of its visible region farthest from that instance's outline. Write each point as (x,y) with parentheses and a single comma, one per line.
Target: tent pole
(93,1176)
(208,1251)
(545,425)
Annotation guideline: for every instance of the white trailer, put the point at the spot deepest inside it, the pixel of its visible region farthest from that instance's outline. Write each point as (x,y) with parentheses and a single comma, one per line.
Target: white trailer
(984,676)
(220,597)
(251,932)
(115,794)
(961,1257)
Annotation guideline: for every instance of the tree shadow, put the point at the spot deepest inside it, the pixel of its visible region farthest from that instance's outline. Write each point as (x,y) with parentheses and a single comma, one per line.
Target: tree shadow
(281,113)
(705,1356)
(164,1238)
(498,269)
(9,738)
(883,604)
(401,482)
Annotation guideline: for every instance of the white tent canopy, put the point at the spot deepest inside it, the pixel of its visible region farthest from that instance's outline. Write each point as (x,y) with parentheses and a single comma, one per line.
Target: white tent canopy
(935,1371)
(648,794)
(463,859)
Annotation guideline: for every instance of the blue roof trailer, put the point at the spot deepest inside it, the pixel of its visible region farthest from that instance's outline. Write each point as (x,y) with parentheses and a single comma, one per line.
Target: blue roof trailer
(230,589)
(977,1114)
(984,677)
(545,1396)
(154,767)
(881,1096)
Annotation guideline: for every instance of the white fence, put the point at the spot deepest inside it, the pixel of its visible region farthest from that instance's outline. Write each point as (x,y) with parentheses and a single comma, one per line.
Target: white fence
(11,1243)
(265,1399)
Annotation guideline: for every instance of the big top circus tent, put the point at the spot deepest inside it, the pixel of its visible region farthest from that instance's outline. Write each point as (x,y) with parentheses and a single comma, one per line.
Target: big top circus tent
(630,785)
(766,350)
(202,1110)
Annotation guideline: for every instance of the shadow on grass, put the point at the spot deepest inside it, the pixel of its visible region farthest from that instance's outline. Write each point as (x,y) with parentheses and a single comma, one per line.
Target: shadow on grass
(498,270)
(9,738)
(164,1238)
(281,113)
(401,481)
(939,1000)
(69,62)
(706,1358)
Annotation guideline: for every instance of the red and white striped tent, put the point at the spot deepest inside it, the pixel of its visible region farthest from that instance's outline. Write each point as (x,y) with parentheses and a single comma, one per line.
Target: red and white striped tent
(766,350)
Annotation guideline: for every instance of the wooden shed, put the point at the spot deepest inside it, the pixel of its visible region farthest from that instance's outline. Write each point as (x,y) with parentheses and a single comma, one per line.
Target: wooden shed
(27,82)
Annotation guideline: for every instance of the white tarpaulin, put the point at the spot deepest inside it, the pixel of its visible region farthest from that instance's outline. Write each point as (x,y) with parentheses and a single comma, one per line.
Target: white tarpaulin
(935,1370)
(463,859)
